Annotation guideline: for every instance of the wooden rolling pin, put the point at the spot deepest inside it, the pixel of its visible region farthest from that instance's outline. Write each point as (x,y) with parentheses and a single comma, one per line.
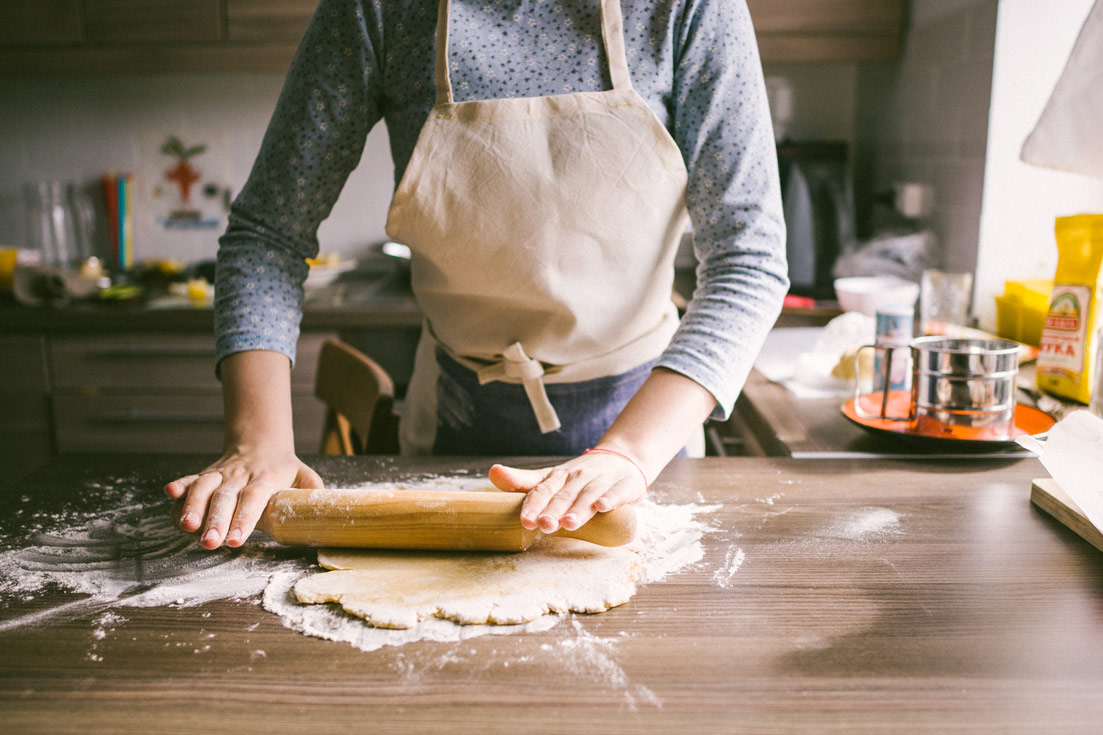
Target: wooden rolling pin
(421,519)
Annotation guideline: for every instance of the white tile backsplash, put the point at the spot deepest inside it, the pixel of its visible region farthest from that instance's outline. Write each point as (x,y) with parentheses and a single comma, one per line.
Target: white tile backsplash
(930,117)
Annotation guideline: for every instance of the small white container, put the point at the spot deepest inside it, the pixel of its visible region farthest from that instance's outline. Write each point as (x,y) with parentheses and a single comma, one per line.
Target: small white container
(868,294)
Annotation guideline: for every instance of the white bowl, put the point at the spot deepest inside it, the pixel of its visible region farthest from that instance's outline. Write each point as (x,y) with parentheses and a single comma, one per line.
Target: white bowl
(867,294)
(323,274)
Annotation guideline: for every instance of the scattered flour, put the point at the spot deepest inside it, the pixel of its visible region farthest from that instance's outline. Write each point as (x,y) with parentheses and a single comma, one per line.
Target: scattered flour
(732,561)
(131,557)
(867,524)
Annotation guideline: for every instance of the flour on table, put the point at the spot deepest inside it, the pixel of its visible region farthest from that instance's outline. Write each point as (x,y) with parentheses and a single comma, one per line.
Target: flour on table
(131,556)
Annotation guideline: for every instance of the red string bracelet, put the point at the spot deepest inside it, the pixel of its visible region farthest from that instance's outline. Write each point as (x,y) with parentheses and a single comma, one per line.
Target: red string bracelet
(625,457)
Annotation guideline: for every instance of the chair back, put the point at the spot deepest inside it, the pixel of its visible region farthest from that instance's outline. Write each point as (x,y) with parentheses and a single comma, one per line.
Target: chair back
(359,396)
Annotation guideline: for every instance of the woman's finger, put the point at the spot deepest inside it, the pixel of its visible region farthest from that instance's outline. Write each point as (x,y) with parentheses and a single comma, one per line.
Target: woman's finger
(550,519)
(250,505)
(308,478)
(620,494)
(195,502)
(514,480)
(180,485)
(219,514)
(582,509)
(539,496)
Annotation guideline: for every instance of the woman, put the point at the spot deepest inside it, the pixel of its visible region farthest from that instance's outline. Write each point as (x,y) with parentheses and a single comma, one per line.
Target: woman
(546,154)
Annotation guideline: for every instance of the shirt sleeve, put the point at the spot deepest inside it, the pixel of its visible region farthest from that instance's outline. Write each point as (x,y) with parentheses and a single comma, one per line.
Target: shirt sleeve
(722,125)
(314,140)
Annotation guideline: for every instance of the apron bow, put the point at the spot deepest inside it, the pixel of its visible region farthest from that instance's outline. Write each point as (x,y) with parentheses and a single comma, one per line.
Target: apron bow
(517,365)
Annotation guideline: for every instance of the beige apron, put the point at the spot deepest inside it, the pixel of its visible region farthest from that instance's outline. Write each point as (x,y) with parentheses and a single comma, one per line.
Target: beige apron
(543,232)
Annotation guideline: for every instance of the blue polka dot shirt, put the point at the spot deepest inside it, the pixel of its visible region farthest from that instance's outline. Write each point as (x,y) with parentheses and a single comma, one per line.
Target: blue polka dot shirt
(695,62)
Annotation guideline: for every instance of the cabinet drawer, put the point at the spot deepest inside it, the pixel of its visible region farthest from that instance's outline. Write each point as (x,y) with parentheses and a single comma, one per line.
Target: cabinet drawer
(163,424)
(23,391)
(165,362)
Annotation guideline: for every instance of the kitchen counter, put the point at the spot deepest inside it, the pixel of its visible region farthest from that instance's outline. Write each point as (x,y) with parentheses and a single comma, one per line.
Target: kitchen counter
(355,303)
(835,596)
(783,425)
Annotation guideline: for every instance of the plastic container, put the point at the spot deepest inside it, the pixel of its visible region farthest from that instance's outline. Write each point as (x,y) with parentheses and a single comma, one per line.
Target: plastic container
(867,294)
(1021,310)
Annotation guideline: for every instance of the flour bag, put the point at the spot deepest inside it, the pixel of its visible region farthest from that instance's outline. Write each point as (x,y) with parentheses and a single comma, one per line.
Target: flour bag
(1067,359)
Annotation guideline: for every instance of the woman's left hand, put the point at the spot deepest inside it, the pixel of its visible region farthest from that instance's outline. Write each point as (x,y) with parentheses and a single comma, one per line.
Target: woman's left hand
(569,494)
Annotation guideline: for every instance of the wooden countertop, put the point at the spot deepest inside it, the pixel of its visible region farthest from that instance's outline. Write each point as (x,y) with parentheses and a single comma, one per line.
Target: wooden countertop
(834,596)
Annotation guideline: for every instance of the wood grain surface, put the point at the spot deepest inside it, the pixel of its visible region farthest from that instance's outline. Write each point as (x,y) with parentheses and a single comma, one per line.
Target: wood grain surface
(835,596)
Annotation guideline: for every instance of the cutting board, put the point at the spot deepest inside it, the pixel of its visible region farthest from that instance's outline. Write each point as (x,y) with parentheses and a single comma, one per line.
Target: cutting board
(1048,495)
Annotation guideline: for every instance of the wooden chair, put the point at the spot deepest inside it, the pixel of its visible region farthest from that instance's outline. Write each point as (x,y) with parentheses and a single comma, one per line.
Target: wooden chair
(359,396)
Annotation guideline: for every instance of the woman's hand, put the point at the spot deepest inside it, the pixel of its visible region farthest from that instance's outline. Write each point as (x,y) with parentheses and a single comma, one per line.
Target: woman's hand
(651,429)
(568,495)
(227,498)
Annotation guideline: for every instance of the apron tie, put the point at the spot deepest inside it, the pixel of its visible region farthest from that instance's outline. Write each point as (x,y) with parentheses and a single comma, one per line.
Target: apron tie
(519,366)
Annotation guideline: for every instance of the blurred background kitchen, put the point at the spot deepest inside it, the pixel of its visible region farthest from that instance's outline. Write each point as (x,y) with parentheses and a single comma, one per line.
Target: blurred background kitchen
(893,118)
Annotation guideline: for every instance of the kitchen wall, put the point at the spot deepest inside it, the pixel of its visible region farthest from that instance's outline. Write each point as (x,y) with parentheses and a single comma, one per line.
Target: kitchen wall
(925,120)
(79,128)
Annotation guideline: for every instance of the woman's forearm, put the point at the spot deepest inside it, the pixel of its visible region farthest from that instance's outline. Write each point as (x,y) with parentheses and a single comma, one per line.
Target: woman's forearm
(256,392)
(659,420)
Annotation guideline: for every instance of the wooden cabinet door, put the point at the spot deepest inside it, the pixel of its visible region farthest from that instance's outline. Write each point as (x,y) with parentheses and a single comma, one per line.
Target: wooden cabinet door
(828,30)
(39,22)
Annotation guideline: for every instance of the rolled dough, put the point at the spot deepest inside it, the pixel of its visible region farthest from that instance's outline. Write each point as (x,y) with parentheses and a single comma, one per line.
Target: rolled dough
(397,589)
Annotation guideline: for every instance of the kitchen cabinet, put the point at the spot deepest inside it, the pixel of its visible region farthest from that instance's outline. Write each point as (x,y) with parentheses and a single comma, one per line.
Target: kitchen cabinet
(113,36)
(63,392)
(828,30)
(122,36)
(141,392)
(25,431)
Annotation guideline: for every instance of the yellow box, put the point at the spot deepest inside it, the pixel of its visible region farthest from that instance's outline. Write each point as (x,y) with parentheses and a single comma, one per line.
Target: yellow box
(1021,310)
(8,259)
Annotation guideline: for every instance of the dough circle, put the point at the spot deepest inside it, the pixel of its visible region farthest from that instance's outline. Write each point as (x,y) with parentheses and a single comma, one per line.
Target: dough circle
(398,589)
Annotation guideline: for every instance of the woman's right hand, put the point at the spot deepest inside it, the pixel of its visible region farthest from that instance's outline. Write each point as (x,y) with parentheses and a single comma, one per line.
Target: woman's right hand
(225,501)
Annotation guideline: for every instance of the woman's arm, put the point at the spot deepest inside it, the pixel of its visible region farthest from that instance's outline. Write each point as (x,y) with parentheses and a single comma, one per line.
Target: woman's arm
(226,499)
(721,123)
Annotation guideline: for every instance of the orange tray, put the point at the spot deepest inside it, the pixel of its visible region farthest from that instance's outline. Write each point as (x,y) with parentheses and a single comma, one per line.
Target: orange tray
(1028,420)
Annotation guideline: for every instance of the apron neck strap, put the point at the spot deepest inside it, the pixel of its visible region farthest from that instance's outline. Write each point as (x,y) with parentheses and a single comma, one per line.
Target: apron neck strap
(612,34)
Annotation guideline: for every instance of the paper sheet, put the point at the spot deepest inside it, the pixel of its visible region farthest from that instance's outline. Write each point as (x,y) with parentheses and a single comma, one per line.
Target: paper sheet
(1072,452)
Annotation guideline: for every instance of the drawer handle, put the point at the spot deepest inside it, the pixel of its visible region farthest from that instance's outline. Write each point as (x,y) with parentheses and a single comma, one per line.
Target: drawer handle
(131,415)
(153,351)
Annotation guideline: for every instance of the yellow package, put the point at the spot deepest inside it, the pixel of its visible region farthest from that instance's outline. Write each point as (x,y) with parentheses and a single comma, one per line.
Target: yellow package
(1067,358)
